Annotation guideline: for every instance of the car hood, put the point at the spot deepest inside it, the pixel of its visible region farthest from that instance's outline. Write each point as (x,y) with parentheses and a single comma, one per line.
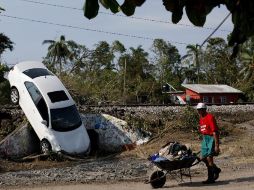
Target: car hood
(73,142)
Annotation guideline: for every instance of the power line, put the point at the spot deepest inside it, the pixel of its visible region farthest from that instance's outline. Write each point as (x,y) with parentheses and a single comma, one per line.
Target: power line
(88,29)
(215,30)
(117,15)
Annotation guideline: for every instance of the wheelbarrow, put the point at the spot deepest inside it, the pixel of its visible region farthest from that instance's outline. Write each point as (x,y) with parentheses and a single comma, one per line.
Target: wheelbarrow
(175,168)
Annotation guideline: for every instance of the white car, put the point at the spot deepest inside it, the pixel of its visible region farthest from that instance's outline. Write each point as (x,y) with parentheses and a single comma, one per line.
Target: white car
(49,108)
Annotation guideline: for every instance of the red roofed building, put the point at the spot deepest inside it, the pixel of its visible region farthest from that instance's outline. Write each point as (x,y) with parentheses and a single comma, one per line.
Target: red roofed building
(211,94)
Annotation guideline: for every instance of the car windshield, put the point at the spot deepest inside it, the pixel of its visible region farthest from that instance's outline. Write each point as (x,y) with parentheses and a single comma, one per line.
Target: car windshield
(37,72)
(65,119)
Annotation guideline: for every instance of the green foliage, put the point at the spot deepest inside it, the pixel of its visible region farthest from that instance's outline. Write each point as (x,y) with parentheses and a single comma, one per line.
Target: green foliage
(247,60)
(102,56)
(167,62)
(216,59)
(193,71)
(112,74)
(190,119)
(5,43)
(58,53)
(4,85)
(3,69)
(248,89)
(4,92)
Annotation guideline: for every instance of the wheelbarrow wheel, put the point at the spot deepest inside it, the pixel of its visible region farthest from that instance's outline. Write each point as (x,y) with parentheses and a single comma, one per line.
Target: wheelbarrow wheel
(157,179)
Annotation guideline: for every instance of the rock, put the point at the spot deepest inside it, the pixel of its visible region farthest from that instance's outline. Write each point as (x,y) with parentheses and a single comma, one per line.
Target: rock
(21,142)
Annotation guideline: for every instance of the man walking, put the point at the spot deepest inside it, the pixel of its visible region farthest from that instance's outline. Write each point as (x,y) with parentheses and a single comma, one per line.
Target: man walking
(210,143)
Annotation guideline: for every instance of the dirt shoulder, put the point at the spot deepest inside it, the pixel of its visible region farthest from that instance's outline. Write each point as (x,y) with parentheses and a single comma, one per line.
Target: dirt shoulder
(233,178)
(113,172)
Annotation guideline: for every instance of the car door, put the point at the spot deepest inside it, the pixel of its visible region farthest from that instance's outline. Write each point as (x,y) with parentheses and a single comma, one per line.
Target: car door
(36,110)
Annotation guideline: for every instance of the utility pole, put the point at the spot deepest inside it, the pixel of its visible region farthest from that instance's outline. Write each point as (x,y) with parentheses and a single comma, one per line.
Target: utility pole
(198,49)
(124,80)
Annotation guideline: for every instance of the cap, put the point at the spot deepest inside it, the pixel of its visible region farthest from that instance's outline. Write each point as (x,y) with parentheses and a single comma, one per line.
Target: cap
(201,105)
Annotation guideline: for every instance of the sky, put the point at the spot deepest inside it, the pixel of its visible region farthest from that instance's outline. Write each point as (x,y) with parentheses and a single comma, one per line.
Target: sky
(28,24)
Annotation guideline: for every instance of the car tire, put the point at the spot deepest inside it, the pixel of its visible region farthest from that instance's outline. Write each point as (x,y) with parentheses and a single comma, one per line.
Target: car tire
(14,96)
(45,147)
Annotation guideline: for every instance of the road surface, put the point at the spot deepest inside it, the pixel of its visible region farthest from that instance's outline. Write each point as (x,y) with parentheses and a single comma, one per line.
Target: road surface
(234,180)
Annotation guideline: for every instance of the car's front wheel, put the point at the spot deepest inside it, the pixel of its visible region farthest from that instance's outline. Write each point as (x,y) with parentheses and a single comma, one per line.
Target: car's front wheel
(45,147)
(14,96)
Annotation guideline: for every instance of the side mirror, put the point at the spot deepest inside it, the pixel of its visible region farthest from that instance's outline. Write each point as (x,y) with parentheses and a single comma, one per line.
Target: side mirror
(44,122)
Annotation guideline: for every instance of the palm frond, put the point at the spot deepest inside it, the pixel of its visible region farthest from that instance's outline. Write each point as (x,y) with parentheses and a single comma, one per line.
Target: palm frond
(48,42)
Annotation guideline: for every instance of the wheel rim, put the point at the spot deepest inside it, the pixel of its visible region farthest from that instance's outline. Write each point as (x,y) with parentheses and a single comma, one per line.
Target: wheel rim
(14,96)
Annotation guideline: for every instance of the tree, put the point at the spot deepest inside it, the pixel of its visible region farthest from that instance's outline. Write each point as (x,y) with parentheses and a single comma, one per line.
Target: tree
(117,47)
(167,60)
(242,13)
(194,52)
(247,60)
(137,72)
(58,52)
(102,56)
(217,66)
(5,43)
(80,56)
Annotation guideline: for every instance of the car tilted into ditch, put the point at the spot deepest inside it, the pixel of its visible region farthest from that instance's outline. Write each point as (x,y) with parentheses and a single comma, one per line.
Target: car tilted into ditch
(49,108)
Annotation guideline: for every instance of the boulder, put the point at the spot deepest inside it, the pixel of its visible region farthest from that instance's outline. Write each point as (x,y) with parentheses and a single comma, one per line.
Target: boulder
(21,142)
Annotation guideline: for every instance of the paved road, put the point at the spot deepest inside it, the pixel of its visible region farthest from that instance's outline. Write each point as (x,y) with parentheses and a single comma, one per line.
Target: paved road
(235,180)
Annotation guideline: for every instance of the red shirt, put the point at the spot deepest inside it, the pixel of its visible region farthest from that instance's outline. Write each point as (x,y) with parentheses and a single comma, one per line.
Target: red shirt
(207,124)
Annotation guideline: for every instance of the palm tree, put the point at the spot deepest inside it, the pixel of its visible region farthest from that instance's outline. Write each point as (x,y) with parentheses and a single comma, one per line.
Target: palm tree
(193,51)
(58,51)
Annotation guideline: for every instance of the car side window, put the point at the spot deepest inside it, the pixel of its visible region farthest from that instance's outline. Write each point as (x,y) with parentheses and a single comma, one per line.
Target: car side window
(38,100)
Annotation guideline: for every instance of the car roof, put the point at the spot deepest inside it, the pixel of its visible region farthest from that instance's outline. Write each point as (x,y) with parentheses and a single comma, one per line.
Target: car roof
(51,83)
(25,65)
(45,84)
